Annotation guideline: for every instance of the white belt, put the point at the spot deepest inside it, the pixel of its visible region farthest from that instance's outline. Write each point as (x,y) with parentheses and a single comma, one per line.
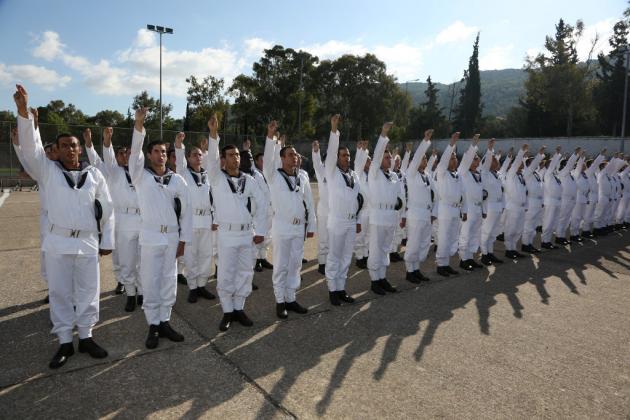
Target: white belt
(235,227)
(72,233)
(385,206)
(129,210)
(162,228)
(202,212)
(350,216)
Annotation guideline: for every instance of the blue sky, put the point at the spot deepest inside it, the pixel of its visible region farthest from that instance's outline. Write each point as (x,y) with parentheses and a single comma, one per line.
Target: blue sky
(97,55)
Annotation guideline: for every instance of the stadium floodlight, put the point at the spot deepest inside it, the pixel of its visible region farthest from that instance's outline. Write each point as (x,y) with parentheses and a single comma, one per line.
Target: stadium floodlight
(160,30)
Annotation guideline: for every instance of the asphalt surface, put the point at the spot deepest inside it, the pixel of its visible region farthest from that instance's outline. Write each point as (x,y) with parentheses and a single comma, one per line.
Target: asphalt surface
(544,337)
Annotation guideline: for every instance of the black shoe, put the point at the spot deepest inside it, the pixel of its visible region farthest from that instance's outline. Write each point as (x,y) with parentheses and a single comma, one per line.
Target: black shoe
(266,264)
(562,241)
(254,287)
(120,288)
(334,298)
(361,263)
(226,321)
(139,300)
(395,257)
(304,260)
(281,310)
(295,307)
(376,288)
(404,242)
(205,293)
(181,279)
(165,330)
(322,269)
(511,255)
(421,276)
(442,271)
(576,238)
(385,285)
(192,296)
(465,264)
(588,235)
(89,346)
(47,299)
(258,267)
(474,263)
(241,317)
(494,259)
(548,245)
(153,337)
(527,248)
(451,271)
(130,306)
(344,297)
(61,357)
(501,238)
(411,277)
(539,229)
(485,259)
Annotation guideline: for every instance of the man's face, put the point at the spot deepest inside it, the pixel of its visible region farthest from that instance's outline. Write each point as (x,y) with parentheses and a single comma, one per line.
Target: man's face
(172,160)
(157,155)
(290,158)
(194,159)
(386,163)
(122,156)
(68,150)
(453,162)
(232,160)
(343,159)
(423,163)
(475,164)
(494,165)
(259,163)
(367,165)
(51,152)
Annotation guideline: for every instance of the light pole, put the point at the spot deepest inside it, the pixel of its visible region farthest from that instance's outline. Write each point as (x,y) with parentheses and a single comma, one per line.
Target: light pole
(160,30)
(625,98)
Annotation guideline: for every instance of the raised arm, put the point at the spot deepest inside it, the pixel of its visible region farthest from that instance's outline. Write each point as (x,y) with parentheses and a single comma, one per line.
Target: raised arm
(570,163)
(136,158)
(212,159)
(360,157)
(468,157)
(180,154)
(420,152)
(333,147)
(269,166)
(109,157)
(318,166)
(529,170)
(598,160)
(486,162)
(93,157)
(379,151)
(446,154)
(404,164)
(517,161)
(32,150)
(579,166)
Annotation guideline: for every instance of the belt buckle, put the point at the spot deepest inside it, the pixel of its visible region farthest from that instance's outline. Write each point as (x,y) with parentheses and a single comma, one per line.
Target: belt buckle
(74,233)
(163,229)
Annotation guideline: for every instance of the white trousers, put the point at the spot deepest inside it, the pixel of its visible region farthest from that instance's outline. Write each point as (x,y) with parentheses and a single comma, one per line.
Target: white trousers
(236,269)
(288,252)
(128,260)
(513,229)
(532,221)
(73,281)
(263,248)
(380,244)
(490,229)
(577,215)
(399,235)
(622,209)
(470,236)
(361,245)
(550,220)
(43,230)
(341,239)
(589,213)
(448,239)
(198,258)
(158,275)
(564,217)
(600,216)
(322,237)
(418,243)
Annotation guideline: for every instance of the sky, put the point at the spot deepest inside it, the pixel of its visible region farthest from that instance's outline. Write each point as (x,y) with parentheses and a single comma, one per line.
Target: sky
(98,54)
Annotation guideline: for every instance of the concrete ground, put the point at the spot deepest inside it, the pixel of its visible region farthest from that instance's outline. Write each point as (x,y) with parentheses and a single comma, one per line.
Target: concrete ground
(542,337)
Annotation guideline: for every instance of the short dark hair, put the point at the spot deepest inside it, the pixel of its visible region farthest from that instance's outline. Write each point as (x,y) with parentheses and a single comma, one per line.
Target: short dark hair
(258,155)
(154,143)
(48,146)
(119,149)
(192,149)
(170,150)
(285,148)
(563,163)
(342,148)
(226,148)
(62,135)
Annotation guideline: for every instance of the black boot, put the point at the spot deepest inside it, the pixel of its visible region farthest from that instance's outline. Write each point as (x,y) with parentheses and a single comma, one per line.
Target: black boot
(501,238)
(421,276)
(296,307)
(226,321)
(485,259)
(395,257)
(165,330)
(575,238)
(465,264)
(562,241)
(442,271)
(411,277)
(322,269)
(511,255)
(361,263)
(474,263)
(548,245)
(205,293)
(89,346)
(266,264)
(258,267)
(344,297)
(281,310)
(192,296)
(61,357)
(120,288)
(334,298)
(153,337)
(385,285)
(130,306)
(376,287)
(451,270)
(241,317)
(139,300)
(181,279)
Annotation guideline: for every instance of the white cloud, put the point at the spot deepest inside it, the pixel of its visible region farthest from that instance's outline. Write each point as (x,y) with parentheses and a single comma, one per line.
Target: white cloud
(602,29)
(255,47)
(403,61)
(455,32)
(30,74)
(49,46)
(498,57)
(334,48)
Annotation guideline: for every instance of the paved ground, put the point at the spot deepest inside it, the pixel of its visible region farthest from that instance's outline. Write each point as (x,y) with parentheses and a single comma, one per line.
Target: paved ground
(545,337)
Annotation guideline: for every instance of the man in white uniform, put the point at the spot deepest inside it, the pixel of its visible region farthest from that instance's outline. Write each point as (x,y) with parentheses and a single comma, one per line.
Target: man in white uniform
(493,204)
(472,210)
(535,188)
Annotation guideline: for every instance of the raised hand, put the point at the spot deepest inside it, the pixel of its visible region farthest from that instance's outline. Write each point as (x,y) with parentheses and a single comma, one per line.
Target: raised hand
(21,100)
(247,144)
(334,122)
(203,145)
(558,149)
(107,136)
(408,146)
(315,146)
(35,114)
(491,143)
(428,134)
(578,150)
(213,126)
(272,127)
(141,115)
(475,139)
(386,127)
(542,150)
(179,139)
(87,137)
(283,140)
(454,138)
(525,147)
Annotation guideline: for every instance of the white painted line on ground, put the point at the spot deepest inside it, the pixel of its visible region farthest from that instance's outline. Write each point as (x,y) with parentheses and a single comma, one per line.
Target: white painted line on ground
(3,197)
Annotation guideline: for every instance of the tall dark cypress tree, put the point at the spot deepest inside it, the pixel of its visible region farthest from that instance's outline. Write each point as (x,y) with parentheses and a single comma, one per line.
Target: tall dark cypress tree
(468,112)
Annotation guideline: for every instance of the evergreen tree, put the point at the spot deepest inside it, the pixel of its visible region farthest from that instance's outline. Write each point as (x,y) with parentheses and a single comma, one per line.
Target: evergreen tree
(468,112)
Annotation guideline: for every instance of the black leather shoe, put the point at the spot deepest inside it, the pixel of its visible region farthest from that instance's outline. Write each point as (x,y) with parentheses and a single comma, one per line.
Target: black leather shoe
(165,330)
(322,269)
(130,306)
(344,297)
(518,254)
(562,241)
(588,235)
(442,271)
(548,245)
(334,298)
(501,238)
(205,293)
(295,307)
(539,229)
(120,288)
(527,248)
(226,321)
(153,337)
(474,263)
(266,264)
(192,296)
(395,257)
(47,299)
(451,270)
(421,276)
(361,263)
(139,300)
(577,238)
(510,255)
(376,288)
(411,277)
(465,264)
(181,279)
(61,357)
(89,346)
(485,259)
(258,267)
(304,260)
(241,317)
(494,259)
(385,285)
(281,310)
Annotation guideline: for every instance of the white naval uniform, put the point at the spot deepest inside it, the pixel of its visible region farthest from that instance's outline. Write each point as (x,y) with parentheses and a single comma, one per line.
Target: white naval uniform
(241,213)
(581,201)
(126,256)
(472,201)
(343,190)
(551,199)
(515,203)
(263,248)
(493,204)
(419,211)
(385,189)
(604,195)
(535,188)
(361,245)
(159,232)
(71,247)
(198,257)
(568,198)
(322,207)
(593,191)
(293,207)
(624,203)
(450,191)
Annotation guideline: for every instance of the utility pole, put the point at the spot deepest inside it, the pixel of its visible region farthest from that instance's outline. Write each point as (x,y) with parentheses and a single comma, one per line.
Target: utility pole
(160,30)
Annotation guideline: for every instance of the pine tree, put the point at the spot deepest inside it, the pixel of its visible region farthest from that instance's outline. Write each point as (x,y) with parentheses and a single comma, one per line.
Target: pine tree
(468,112)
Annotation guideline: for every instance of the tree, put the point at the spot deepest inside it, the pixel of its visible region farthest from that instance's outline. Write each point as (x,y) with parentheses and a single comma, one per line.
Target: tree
(468,111)
(204,98)
(152,120)
(427,114)
(108,118)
